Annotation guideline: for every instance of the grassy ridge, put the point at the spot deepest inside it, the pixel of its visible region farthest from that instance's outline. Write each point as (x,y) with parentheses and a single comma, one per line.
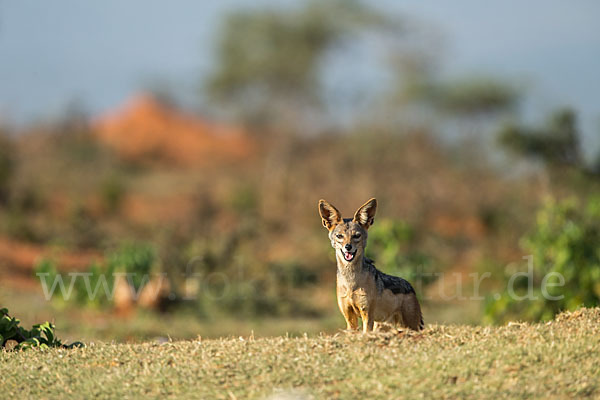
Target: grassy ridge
(558,359)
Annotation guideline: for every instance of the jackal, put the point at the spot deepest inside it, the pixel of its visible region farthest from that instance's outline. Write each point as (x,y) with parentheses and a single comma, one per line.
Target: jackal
(362,290)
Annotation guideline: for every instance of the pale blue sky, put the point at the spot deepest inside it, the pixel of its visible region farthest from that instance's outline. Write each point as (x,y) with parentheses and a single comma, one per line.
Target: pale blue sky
(100,52)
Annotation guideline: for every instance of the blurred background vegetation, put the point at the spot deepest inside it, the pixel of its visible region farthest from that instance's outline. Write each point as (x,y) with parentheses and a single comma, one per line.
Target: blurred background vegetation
(219,207)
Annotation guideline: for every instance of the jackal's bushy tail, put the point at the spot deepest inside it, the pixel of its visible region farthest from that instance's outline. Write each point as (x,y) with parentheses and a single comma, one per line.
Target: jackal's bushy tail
(411,313)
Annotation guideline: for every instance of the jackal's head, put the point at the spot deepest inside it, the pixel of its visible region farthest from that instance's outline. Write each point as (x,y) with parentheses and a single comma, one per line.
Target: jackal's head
(348,236)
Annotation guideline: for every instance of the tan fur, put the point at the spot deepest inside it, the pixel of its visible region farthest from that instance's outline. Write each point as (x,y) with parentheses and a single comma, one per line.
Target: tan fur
(361,288)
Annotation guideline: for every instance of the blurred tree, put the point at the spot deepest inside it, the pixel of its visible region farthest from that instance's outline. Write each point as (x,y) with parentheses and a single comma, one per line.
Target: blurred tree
(479,96)
(472,104)
(556,144)
(268,61)
(413,74)
(477,104)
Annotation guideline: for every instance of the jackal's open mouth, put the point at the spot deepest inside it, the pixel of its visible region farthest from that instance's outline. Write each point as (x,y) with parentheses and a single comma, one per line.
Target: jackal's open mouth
(348,256)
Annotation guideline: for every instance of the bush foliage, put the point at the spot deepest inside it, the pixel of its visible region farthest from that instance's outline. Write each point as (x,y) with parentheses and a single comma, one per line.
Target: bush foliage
(136,260)
(566,264)
(40,335)
(392,246)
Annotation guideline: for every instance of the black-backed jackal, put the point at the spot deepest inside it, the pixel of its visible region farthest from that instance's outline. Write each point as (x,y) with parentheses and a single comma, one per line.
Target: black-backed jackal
(362,290)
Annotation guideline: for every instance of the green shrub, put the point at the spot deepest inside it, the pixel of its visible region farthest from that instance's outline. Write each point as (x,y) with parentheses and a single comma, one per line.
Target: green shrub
(245,200)
(565,242)
(97,273)
(390,247)
(47,267)
(40,335)
(112,192)
(137,260)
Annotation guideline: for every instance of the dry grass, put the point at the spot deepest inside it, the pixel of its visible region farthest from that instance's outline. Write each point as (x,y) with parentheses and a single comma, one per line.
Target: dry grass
(558,359)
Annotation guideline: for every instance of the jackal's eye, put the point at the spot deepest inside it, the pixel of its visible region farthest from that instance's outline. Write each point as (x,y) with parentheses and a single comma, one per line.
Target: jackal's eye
(339,236)
(356,236)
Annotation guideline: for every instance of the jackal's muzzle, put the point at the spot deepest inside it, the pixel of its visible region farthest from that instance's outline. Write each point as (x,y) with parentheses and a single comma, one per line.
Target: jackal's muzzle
(348,255)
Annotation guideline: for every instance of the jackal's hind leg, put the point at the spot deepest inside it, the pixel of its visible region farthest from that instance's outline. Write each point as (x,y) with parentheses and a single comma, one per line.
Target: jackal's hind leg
(383,326)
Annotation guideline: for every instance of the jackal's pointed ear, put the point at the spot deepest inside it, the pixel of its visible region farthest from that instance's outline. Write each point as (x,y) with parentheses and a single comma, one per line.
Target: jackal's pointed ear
(329,214)
(365,215)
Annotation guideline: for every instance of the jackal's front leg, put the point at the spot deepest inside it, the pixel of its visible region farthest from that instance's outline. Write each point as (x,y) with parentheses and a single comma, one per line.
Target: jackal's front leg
(367,321)
(351,320)
(349,314)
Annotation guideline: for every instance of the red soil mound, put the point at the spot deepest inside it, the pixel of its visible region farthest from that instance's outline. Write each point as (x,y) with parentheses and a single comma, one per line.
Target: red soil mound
(146,129)
(17,262)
